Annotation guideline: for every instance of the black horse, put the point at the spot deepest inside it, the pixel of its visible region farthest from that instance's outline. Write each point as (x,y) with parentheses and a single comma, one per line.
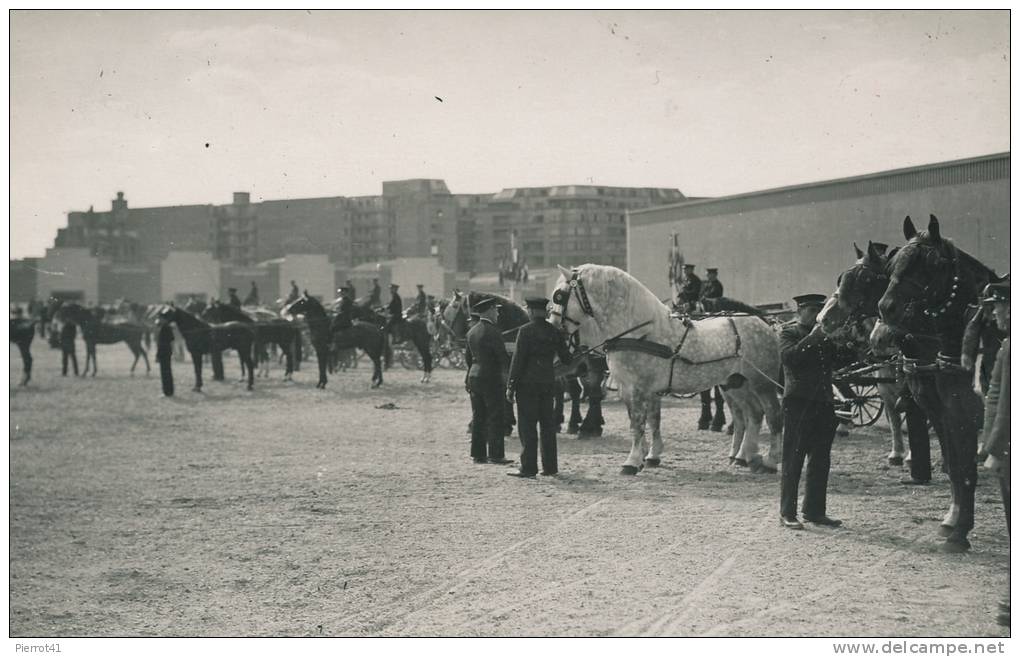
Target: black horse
(96,332)
(279,332)
(22,333)
(932,294)
(362,335)
(414,329)
(204,338)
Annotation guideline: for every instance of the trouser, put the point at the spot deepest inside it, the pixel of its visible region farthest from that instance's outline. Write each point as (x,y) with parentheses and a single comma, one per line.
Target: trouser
(487,401)
(1004,489)
(216,357)
(166,374)
(536,405)
(68,354)
(809,428)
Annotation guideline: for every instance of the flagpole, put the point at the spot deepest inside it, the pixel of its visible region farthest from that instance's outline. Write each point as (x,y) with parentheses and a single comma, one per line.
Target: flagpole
(513,265)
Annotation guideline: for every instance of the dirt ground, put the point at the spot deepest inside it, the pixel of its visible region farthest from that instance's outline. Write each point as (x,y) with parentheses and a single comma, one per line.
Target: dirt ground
(298,512)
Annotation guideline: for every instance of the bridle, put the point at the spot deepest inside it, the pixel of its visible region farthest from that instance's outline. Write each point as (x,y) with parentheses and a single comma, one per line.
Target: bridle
(560,299)
(928,293)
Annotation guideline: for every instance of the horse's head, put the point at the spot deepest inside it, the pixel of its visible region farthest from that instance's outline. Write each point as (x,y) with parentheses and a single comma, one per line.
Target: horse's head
(455,315)
(302,305)
(928,280)
(858,290)
(571,310)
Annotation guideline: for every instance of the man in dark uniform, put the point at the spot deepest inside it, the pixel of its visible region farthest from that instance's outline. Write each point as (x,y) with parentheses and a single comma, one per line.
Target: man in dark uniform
(164,354)
(348,284)
(253,296)
(421,303)
(809,419)
(396,311)
(376,299)
(235,300)
(533,383)
(690,290)
(712,289)
(485,382)
(68,332)
(294,293)
(345,312)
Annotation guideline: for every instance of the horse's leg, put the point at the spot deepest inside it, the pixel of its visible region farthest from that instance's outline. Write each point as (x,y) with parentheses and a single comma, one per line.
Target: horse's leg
(637,411)
(769,402)
(591,427)
(426,356)
(706,410)
(248,358)
(575,390)
(323,356)
(95,361)
(654,457)
(145,358)
(719,419)
(26,362)
(196,360)
(891,393)
(739,413)
(963,412)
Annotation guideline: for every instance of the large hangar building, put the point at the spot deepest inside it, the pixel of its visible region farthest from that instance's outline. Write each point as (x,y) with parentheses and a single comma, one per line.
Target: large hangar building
(773,244)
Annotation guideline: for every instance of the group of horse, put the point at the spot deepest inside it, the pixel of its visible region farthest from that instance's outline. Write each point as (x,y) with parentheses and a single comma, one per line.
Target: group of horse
(913,303)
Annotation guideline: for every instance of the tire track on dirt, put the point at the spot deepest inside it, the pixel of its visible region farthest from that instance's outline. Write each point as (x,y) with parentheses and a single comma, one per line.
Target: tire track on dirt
(425,599)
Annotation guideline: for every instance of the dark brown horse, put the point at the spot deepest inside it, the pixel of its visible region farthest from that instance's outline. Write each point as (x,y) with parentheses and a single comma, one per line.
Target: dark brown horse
(204,338)
(278,331)
(362,335)
(22,333)
(96,332)
(932,294)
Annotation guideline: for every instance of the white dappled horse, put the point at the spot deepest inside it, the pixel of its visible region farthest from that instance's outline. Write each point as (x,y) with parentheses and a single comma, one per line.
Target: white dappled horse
(596,303)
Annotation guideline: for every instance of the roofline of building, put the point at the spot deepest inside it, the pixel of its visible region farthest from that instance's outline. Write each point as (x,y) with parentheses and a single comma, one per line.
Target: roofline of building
(820,183)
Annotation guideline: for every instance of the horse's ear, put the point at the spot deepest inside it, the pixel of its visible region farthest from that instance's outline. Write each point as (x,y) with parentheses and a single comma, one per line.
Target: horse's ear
(909,231)
(857,250)
(873,254)
(933,228)
(564,271)
(306,293)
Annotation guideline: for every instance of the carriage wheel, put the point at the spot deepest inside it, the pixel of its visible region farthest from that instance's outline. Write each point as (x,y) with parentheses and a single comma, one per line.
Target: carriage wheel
(457,359)
(410,359)
(866,406)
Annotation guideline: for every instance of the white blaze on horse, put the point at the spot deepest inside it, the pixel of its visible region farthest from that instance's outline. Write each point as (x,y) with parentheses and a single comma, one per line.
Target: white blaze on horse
(597,303)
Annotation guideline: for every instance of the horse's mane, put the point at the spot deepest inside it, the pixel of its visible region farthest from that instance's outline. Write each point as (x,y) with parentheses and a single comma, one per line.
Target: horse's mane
(511,312)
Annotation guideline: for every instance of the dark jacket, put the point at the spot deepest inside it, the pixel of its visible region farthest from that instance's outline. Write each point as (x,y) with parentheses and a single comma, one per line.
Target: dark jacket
(537,344)
(690,290)
(396,307)
(711,289)
(996,438)
(376,298)
(235,300)
(345,314)
(807,362)
(68,332)
(421,304)
(165,341)
(486,354)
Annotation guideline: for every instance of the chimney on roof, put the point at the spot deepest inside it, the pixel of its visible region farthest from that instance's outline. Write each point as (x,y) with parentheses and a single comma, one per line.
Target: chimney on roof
(119,203)
(242,198)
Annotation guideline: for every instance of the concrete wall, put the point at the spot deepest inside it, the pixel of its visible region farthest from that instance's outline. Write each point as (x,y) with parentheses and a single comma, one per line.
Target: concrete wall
(408,272)
(769,254)
(311,272)
(23,278)
(68,270)
(187,272)
(138,283)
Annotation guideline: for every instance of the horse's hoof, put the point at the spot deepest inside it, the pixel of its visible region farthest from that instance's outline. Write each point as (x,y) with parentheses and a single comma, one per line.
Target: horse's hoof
(740,462)
(759,467)
(628,470)
(895,460)
(946,530)
(955,545)
(572,430)
(702,426)
(732,460)
(652,463)
(716,428)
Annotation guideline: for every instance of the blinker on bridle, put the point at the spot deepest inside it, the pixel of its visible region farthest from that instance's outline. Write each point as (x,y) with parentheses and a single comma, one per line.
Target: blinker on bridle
(562,296)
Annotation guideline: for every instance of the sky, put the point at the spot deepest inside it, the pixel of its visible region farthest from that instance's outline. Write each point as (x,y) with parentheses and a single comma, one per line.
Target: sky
(187,107)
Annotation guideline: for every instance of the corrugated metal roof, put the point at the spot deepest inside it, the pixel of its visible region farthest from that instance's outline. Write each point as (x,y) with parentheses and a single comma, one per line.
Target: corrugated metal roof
(954,172)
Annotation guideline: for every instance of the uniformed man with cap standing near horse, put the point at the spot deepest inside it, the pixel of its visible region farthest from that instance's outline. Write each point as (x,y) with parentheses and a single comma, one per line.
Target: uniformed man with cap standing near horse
(712,289)
(485,382)
(533,383)
(809,418)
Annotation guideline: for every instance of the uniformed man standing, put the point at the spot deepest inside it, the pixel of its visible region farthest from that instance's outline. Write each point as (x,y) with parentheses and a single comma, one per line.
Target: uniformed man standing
(164,354)
(533,384)
(421,303)
(690,290)
(68,333)
(485,382)
(396,310)
(809,419)
(235,300)
(376,299)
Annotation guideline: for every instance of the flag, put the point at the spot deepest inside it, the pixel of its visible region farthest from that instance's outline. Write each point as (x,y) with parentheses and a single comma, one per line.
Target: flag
(676,265)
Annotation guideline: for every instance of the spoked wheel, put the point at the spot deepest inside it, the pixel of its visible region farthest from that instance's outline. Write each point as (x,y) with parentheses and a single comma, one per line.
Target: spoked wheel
(410,359)
(865,406)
